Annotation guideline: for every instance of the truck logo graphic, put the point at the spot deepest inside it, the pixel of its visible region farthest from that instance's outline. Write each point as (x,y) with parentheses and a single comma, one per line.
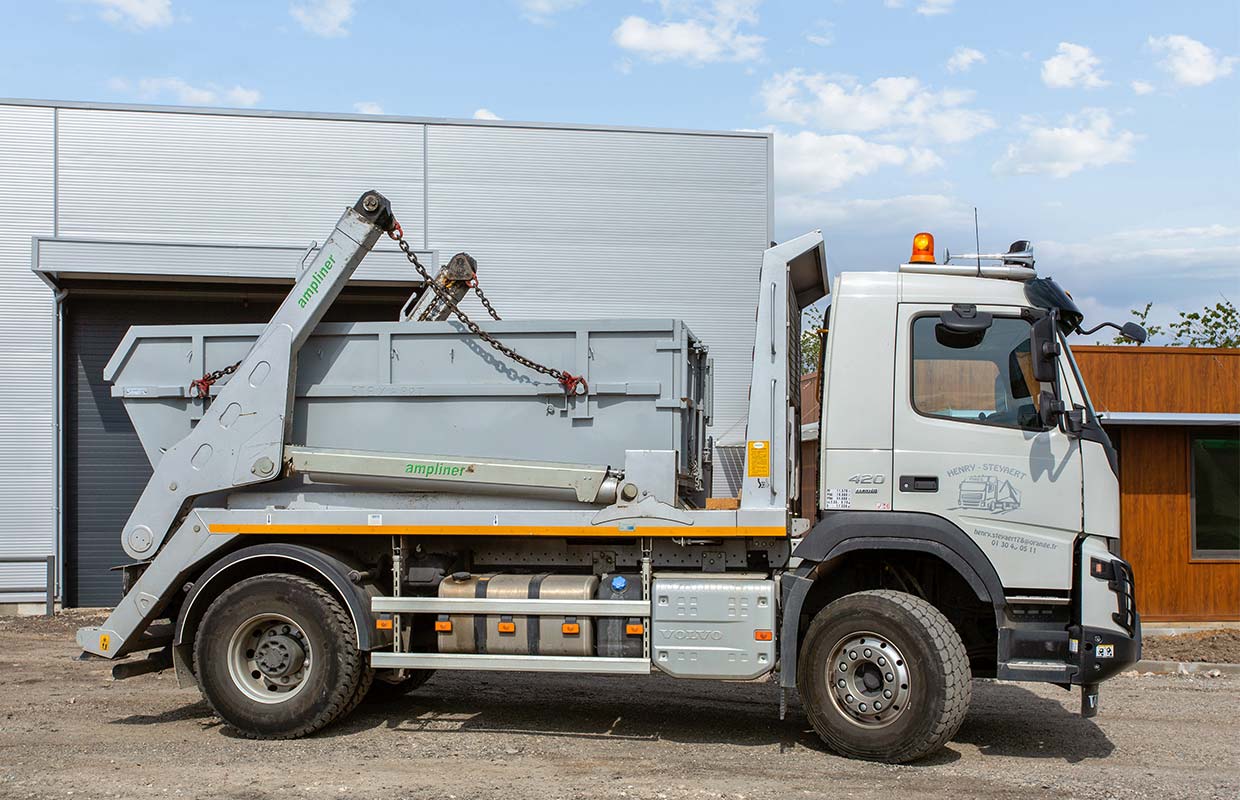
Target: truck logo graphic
(988,493)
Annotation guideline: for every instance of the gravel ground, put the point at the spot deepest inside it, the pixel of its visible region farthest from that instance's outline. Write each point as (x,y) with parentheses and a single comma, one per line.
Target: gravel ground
(67,729)
(1215,646)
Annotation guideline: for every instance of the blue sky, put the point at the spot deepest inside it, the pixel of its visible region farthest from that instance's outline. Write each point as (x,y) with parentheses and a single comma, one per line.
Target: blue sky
(1108,133)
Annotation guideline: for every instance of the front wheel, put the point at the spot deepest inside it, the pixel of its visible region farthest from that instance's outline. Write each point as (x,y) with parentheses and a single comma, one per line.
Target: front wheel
(277,657)
(883,676)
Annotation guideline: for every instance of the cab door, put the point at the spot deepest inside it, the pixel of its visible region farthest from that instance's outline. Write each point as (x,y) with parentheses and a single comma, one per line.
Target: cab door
(969,445)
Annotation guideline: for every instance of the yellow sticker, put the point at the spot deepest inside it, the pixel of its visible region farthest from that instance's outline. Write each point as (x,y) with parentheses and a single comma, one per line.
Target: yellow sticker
(759,460)
(105,642)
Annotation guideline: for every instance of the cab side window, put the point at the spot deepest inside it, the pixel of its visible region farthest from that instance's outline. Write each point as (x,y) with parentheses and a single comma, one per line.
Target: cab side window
(983,377)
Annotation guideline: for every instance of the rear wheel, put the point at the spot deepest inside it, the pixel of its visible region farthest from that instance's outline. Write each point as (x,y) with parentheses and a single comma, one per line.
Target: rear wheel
(883,676)
(277,658)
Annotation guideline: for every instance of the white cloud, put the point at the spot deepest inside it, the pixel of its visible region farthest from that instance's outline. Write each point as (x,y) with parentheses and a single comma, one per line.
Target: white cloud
(486,113)
(932,7)
(541,11)
(1196,251)
(1088,139)
(1075,65)
(710,32)
(323,17)
(240,96)
(186,94)
(1142,87)
(963,58)
(1182,268)
(367,107)
(1188,232)
(899,105)
(136,13)
(906,212)
(1190,62)
(808,162)
(822,34)
(929,8)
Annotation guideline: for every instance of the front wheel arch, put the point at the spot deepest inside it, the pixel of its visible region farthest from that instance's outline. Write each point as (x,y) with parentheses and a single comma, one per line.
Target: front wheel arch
(836,545)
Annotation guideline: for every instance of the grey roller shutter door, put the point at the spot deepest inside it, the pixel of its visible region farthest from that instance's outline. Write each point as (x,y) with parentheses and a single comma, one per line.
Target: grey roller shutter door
(105,467)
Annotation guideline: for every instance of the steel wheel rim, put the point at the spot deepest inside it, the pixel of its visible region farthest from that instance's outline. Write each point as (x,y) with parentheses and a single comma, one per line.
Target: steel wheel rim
(869,680)
(269,658)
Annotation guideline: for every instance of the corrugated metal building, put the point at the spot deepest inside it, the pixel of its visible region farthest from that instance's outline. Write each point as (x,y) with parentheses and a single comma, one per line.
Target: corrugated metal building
(119,215)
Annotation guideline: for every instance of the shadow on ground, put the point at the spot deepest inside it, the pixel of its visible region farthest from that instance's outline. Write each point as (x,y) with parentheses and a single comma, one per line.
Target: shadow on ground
(1004,719)
(1007,719)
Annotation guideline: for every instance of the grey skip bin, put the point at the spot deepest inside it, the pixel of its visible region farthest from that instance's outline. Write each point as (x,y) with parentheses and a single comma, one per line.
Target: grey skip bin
(430,387)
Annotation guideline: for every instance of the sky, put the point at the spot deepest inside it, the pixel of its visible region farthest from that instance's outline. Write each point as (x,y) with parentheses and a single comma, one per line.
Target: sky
(1107,133)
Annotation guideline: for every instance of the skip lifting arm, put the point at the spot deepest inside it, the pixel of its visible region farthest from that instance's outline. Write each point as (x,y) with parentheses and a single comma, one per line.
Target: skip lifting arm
(240,438)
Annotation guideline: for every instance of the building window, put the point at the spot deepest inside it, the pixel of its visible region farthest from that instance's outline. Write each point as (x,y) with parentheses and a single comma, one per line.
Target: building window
(1216,494)
(984,377)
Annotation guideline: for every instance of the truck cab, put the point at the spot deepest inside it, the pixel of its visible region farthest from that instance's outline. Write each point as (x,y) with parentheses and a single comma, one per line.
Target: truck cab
(960,460)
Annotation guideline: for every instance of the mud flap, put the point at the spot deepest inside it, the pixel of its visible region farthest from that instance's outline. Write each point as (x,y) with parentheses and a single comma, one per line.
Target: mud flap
(1089,700)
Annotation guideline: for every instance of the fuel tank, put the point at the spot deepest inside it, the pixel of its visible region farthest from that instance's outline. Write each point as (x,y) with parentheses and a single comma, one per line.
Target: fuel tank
(507,634)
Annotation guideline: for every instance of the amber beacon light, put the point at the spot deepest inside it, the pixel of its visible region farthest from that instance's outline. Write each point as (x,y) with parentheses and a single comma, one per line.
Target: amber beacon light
(923,249)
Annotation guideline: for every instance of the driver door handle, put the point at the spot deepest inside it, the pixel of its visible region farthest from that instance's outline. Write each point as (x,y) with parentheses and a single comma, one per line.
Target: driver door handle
(919,483)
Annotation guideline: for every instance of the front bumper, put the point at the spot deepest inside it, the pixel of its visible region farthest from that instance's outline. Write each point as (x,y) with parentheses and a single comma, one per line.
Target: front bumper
(1079,653)
(1101,653)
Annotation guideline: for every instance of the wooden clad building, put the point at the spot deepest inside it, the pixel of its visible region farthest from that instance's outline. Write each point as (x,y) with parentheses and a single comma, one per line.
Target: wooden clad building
(1173,414)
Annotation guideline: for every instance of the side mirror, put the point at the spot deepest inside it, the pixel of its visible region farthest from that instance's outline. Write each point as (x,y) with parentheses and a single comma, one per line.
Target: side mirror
(1133,331)
(1045,347)
(1050,409)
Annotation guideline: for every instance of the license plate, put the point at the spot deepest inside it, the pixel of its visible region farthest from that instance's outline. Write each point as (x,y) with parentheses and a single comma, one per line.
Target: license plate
(1104,651)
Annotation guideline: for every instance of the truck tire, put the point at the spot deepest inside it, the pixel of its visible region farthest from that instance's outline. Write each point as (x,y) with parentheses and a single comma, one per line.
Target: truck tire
(883,676)
(384,689)
(277,658)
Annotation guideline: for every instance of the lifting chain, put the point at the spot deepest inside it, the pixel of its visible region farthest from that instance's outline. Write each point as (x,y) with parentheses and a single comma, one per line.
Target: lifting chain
(485,302)
(573,384)
(202,386)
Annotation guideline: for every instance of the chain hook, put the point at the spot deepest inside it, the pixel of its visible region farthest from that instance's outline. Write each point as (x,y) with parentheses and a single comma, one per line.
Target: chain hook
(571,383)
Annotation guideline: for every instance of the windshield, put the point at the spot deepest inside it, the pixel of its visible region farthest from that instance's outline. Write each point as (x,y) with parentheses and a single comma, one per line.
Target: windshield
(1045,293)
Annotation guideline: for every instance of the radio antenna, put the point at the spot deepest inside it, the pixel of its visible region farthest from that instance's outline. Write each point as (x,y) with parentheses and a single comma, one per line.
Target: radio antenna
(977,240)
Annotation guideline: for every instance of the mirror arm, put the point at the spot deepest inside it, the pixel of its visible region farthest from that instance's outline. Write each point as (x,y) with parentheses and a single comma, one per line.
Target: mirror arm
(1096,328)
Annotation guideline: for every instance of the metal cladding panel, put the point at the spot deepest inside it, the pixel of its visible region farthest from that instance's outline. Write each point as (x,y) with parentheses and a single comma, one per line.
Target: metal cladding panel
(26,320)
(81,257)
(587,223)
(214,178)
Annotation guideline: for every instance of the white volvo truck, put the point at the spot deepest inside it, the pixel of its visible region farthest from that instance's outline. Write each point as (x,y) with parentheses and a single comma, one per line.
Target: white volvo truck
(341,508)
